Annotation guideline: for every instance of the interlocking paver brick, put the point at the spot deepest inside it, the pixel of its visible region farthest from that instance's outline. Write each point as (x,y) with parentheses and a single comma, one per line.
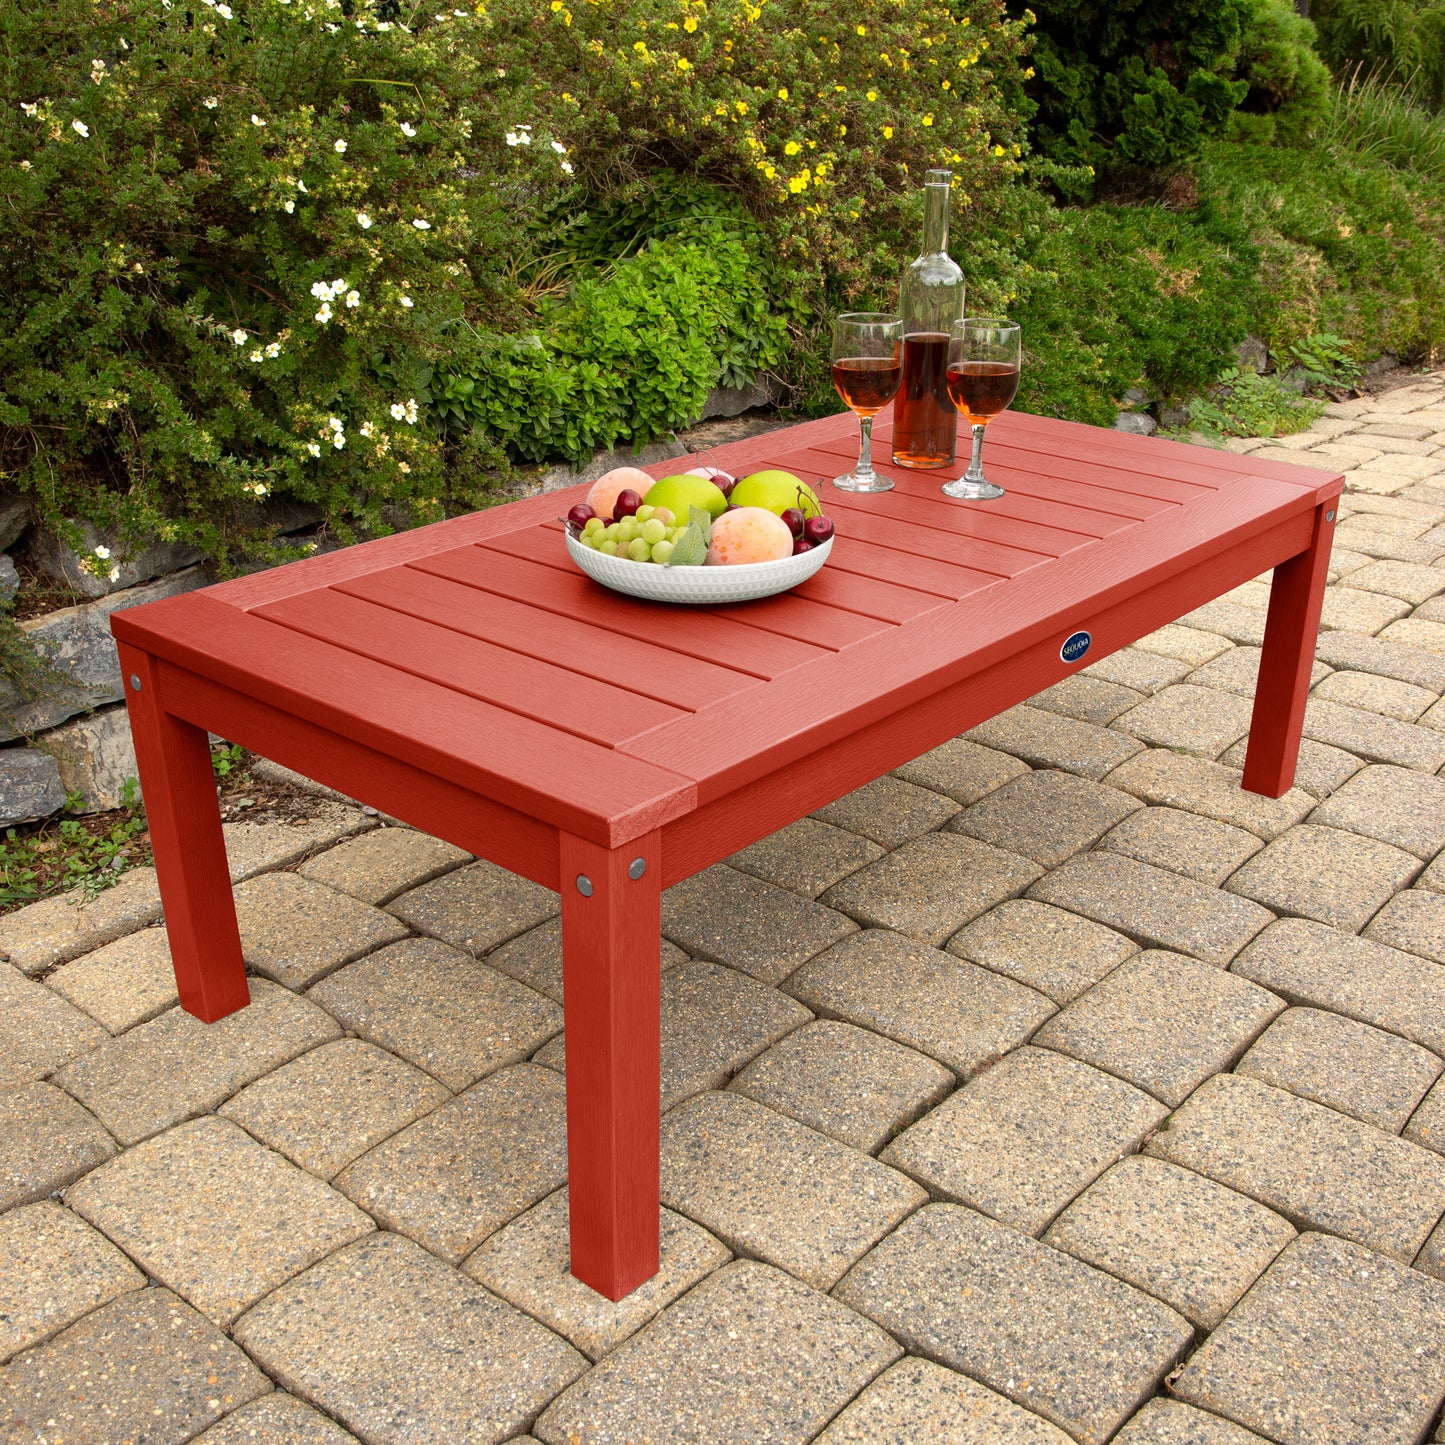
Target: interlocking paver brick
(1183,1239)
(296,931)
(729,917)
(1155,907)
(1393,805)
(916,1398)
(1199,720)
(1434,609)
(956,1012)
(845,1082)
(1022,1140)
(929,888)
(1171,1422)
(774,1189)
(46,1140)
(176,1067)
(1427,1123)
(1089,699)
(466,1169)
(1415,921)
(54,1268)
(889,811)
(276,1419)
(1388,659)
(1395,429)
(750,1354)
(1052,1334)
(536,958)
(215,1216)
(1199,786)
(399,1347)
(1352,1067)
(1374,738)
(1163,1023)
(1326,874)
(1047,815)
(1346,609)
(476,907)
(1243,626)
(382,863)
(123,984)
(145,1367)
(1189,843)
(1431,1259)
(1188,644)
(1049,949)
(714,1020)
(1046,740)
(1410,632)
(1333,1344)
(1320,1169)
(806,857)
(961,770)
(1409,581)
(439,1009)
(39,1031)
(1369,692)
(1319,769)
(1144,672)
(253,846)
(528,1264)
(1237,671)
(330,1106)
(1434,875)
(58,929)
(1308,963)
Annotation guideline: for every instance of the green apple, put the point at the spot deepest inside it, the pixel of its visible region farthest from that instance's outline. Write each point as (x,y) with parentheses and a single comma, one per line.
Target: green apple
(777,491)
(679,494)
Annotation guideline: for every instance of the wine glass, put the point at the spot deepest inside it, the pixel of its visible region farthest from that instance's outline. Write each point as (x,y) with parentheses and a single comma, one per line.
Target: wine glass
(867,363)
(983,376)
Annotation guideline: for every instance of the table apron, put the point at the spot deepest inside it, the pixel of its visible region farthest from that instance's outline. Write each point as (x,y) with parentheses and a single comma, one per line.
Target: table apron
(489,829)
(721,827)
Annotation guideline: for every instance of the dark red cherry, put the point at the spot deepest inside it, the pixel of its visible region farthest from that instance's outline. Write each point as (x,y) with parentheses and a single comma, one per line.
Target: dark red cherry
(800,546)
(794,518)
(580,515)
(817,530)
(626,504)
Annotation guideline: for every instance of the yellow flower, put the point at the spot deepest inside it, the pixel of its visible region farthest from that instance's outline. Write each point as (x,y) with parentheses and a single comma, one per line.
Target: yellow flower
(797,184)
(741,106)
(556,6)
(872,95)
(947,85)
(1029,73)
(862,30)
(928,120)
(998,150)
(842,130)
(964,21)
(792,148)
(640,46)
(887,132)
(783,92)
(683,63)
(770,172)
(672,24)
(690,24)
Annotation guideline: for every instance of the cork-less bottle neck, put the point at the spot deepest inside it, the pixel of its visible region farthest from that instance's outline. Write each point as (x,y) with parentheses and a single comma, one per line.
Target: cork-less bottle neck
(935,219)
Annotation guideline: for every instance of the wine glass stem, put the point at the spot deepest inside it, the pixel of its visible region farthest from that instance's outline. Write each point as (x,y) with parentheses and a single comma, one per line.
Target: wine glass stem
(864,470)
(975,464)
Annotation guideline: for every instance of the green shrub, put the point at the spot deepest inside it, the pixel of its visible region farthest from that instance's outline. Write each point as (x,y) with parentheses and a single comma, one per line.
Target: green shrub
(1403,39)
(1370,117)
(1245,404)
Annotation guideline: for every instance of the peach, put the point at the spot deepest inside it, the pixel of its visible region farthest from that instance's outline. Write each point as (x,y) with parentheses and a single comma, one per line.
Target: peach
(605,490)
(749,534)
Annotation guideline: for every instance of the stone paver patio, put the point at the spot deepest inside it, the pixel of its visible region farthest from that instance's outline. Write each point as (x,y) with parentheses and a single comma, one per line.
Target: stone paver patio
(1049,1089)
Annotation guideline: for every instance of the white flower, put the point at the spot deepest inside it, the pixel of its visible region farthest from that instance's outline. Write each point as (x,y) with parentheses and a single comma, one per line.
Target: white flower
(290,207)
(273,350)
(324,314)
(97,71)
(407,302)
(407,130)
(559,148)
(102,553)
(113,575)
(224,11)
(239,337)
(338,441)
(301,186)
(383,26)
(353,299)
(337,287)
(367,429)
(398,411)
(335,423)
(80,127)
(363,220)
(567,167)
(313,449)
(339,147)
(258,489)
(422,225)
(211,102)
(320,290)
(28,109)
(258,355)
(518,138)
(256,119)
(411,411)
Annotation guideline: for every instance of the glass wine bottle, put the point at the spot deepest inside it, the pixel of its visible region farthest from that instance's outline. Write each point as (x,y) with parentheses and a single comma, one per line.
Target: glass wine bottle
(930,300)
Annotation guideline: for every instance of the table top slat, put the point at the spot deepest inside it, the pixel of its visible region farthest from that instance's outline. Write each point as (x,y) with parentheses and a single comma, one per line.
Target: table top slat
(922,574)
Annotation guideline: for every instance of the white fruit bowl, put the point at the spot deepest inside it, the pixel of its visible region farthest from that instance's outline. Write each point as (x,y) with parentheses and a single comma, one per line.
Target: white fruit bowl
(740,583)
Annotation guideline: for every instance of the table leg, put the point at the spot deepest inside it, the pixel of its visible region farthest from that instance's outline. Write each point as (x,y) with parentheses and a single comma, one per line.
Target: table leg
(1290,631)
(611,913)
(179,788)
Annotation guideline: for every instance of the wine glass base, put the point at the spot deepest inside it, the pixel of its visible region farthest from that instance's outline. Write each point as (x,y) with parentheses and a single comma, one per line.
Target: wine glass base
(972,491)
(850,483)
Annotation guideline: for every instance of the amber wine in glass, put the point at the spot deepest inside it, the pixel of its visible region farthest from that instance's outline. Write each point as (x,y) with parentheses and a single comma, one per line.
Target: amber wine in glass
(983,377)
(867,363)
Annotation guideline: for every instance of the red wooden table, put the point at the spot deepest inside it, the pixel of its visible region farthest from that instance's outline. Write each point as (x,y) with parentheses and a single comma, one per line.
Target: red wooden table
(468,679)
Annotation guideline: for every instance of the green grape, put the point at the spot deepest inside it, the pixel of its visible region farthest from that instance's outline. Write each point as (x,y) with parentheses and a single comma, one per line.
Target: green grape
(609,547)
(638,550)
(644,513)
(661,551)
(653,532)
(627,530)
(586,540)
(594,524)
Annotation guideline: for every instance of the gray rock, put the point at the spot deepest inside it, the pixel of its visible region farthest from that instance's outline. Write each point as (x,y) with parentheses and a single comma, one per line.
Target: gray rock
(1136,396)
(1252,355)
(77,644)
(735,400)
(1173,417)
(96,758)
(9,578)
(59,560)
(15,517)
(1138,423)
(560,478)
(30,786)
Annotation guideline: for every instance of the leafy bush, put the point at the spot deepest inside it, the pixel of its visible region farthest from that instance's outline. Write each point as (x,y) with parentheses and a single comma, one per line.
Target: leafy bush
(1139,86)
(1245,404)
(1373,118)
(1403,39)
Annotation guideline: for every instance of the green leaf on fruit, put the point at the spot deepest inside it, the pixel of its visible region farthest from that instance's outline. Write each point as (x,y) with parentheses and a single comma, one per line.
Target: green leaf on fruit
(701,517)
(690,547)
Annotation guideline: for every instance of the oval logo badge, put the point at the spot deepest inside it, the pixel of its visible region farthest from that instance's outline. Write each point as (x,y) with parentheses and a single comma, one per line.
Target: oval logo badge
(1075,646)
